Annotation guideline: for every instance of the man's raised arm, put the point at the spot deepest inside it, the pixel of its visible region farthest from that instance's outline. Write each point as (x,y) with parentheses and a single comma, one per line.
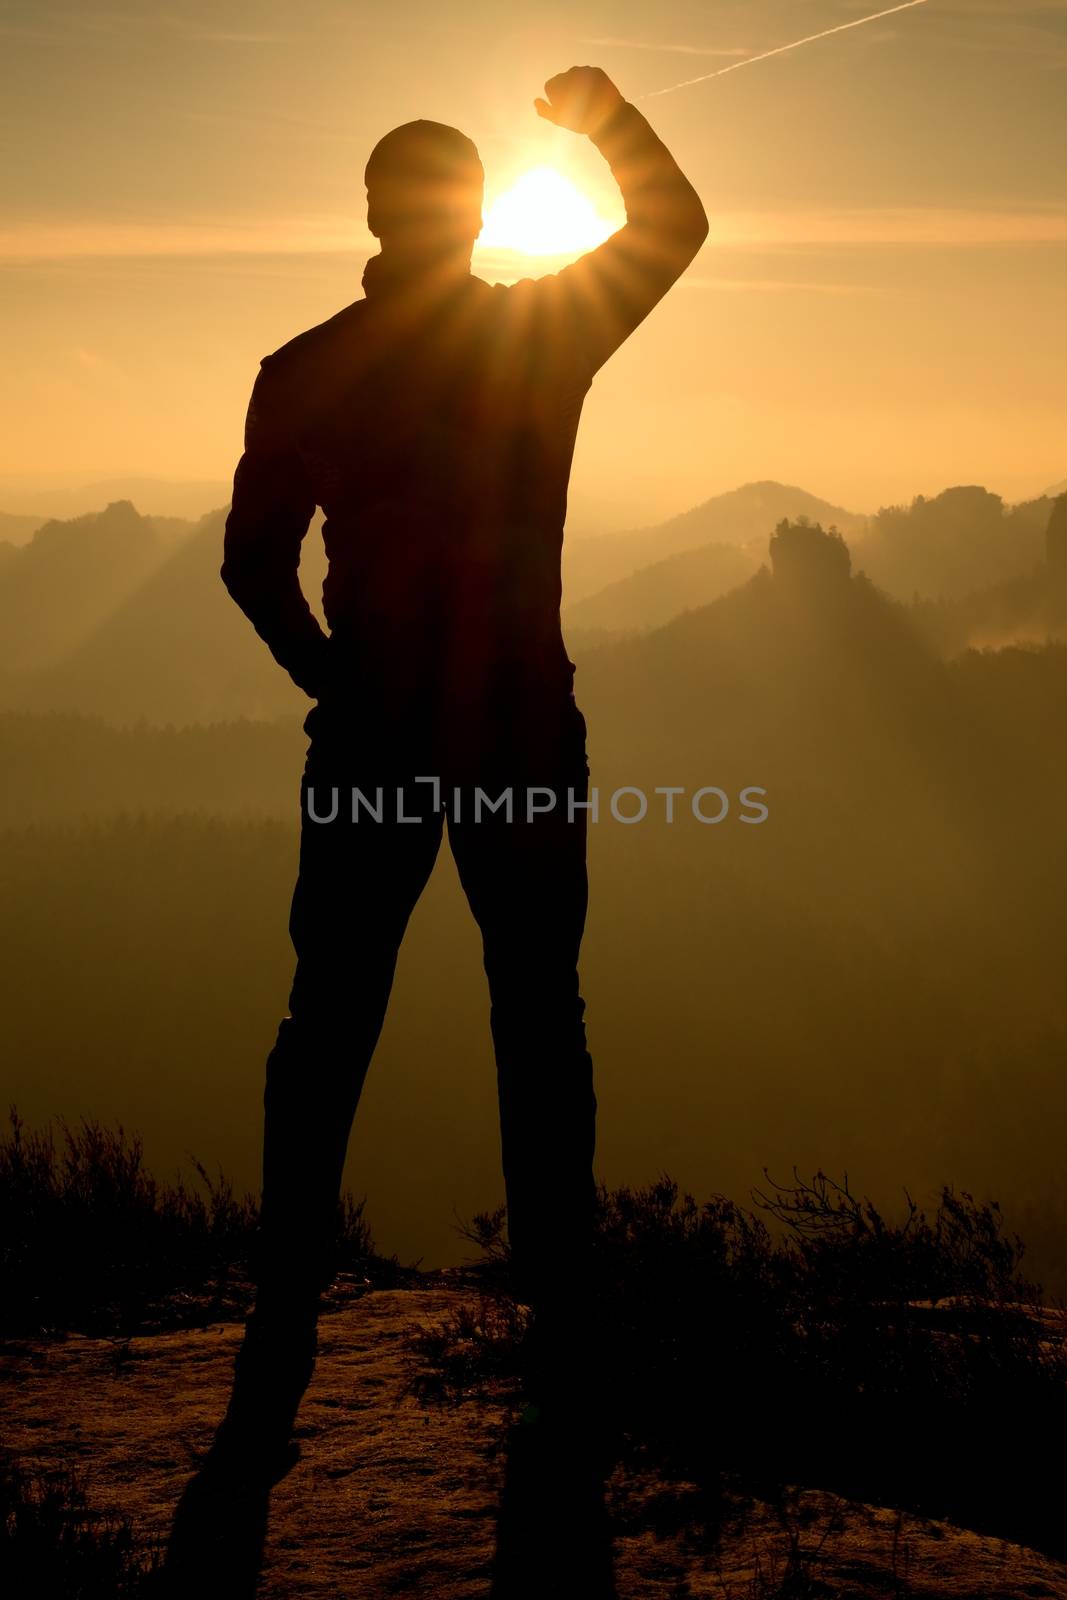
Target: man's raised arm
(271,509)
(613,288)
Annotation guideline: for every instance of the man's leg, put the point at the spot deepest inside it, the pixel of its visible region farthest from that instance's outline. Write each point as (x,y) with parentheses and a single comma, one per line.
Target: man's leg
(527,886)
(357,885)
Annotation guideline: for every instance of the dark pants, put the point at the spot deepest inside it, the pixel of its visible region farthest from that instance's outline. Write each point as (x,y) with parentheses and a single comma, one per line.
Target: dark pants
(525,881)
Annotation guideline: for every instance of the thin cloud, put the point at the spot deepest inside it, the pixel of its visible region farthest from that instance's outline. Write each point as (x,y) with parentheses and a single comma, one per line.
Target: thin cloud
(652,44)
(993,8)
(1035,29)
(265,120)
(931,227)
(257,237)
(111,23)
(923,228)
(18,30)
(226,36)
(778,286)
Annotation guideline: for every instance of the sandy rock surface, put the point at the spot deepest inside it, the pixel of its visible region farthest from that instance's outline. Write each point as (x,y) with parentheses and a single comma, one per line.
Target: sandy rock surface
(393,1497)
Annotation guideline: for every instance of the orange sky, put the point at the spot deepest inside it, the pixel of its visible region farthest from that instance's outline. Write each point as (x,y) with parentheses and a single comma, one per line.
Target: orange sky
(877,312)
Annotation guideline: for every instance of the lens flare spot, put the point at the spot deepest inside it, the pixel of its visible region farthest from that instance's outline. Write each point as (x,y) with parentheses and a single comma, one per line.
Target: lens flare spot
(543,214)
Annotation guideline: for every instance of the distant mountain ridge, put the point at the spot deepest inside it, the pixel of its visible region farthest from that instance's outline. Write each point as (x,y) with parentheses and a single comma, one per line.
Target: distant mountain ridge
(736,518)
(18,528)
(62,585)
(654,594)
(165,497)
(124,616)
(176,649)
(163,641)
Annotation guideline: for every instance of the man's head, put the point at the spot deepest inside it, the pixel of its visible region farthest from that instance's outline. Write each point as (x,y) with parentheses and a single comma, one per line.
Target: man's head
(424,190)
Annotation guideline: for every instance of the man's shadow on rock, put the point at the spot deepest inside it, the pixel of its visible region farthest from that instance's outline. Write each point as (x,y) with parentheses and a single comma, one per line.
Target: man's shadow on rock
(553,1532)
(219,1531)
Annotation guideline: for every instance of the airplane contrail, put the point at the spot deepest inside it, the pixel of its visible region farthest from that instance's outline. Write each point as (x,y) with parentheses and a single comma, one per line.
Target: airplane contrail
(780,50)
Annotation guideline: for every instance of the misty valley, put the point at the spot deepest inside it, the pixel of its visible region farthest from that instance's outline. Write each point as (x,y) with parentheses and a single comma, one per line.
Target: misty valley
(870,983)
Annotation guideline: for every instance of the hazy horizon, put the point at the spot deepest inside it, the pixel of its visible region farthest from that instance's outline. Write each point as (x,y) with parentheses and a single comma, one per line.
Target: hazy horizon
(65,497)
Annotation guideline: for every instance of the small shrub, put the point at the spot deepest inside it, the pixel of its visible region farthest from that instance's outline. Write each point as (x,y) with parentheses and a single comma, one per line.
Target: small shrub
(52,1544)
(91,1241)
(904,1362)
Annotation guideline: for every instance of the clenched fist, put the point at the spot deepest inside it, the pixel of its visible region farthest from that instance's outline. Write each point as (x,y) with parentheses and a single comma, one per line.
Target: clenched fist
(581,99)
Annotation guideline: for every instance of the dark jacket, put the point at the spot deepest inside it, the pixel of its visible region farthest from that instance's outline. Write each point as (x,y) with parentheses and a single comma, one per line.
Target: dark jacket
(435,423)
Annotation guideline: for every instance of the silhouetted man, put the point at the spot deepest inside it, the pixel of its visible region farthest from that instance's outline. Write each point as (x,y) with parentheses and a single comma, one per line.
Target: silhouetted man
(434,422)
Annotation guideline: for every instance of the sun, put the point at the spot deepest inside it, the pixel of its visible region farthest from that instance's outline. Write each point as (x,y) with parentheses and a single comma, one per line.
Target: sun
(544,214)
